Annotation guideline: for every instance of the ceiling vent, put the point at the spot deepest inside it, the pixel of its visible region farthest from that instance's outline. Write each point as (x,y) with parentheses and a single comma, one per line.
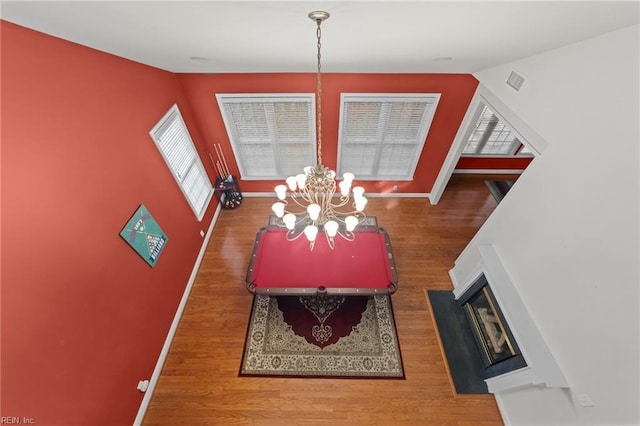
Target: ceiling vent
(515,80)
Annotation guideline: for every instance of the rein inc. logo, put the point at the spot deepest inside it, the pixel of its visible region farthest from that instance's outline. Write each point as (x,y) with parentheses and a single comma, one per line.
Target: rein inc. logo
(16,420)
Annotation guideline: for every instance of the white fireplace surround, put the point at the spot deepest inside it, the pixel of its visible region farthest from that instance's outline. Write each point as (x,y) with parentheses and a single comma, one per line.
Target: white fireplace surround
(541,369)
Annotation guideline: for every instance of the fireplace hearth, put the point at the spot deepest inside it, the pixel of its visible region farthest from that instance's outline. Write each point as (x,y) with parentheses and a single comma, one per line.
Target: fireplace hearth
(475,336)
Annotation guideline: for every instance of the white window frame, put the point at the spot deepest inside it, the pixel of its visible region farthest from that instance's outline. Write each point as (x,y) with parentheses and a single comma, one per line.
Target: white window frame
(522,151)
(274,140)
(431,98)
(180,154)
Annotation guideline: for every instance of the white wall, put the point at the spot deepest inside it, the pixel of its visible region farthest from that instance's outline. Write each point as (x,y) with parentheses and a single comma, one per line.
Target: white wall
(568,231)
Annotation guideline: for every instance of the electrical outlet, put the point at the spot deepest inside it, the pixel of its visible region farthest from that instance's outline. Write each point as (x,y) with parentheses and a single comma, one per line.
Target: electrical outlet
(395,188)
(143,385)
(584,400)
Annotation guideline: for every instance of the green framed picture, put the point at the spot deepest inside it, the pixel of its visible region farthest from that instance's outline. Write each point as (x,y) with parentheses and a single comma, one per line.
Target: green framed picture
(144,235)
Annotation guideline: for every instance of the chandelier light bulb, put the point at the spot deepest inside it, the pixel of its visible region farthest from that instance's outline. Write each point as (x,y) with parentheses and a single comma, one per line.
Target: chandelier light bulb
(289,221)
(291,181)
(310,232)
(344,188)
(331,228)
(348,177)
(301,179)
(361,203)
(358,191)
(351,222)
(278,208)
(314,211)
(281,192)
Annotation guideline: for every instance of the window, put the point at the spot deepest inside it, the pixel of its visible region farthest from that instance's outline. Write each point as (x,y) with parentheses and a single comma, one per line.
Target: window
(492,137)
(177,149)
(272,135)
(381,136)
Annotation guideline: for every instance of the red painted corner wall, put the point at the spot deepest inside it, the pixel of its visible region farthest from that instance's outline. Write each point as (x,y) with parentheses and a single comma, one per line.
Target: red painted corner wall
(83,317)
(456,91)
(476,163)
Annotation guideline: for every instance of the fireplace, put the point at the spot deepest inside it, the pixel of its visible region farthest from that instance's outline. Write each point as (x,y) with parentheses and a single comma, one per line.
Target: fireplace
(506,369)
(498,348)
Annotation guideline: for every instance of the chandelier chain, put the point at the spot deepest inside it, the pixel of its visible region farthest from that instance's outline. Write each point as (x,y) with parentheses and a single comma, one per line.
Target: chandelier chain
(319,90)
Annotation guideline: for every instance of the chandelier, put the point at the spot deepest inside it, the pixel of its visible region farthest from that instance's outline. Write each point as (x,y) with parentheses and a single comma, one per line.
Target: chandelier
(313,193)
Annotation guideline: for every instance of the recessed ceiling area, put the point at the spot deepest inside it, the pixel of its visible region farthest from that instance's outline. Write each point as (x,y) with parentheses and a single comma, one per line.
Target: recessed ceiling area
(359,37)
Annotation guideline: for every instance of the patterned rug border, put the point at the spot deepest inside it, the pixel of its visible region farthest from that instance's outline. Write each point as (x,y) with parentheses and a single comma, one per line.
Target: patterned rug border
(400,375)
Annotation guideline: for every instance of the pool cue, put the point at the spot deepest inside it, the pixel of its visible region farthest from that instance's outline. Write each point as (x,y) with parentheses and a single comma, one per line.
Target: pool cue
(235,196)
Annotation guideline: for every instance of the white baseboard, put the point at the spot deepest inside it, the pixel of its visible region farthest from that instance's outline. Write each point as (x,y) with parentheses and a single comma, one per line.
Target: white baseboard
(174,325)
(503,412)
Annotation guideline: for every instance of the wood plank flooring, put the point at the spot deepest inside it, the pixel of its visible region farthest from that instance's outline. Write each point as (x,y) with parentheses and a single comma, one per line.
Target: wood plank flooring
(200,384)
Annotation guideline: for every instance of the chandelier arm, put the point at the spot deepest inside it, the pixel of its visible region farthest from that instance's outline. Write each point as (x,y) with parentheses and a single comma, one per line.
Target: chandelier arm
(361,216)
(330,241)
(286,204)
(344,200)
(347,235)
(295,197)
(306,196)
(294,234)
(341,216)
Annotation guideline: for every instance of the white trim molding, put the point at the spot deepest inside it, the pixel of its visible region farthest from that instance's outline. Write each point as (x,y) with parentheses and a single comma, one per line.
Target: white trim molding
(455,151)
(174,325)
(483,96)
(503,410)
(462,284)
(512,380)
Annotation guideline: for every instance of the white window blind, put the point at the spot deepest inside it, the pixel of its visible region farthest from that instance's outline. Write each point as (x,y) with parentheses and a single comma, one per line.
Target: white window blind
(382,136)
(174,142)
(272,135)
(492,137)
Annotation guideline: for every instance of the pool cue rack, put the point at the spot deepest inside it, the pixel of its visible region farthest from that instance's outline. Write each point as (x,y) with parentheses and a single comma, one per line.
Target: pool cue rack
(226,186)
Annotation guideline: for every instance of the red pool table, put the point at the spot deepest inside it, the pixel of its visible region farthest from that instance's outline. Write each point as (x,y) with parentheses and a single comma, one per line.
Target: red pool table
(364,266)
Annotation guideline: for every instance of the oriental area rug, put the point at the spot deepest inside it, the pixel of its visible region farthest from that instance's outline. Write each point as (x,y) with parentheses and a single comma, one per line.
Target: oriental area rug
(322,336)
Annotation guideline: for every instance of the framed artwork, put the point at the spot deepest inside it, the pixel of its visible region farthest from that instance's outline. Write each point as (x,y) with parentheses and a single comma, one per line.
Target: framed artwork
(144,235)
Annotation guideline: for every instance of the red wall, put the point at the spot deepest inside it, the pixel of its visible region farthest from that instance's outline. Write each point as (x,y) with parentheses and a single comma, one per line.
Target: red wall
(475,163)
(83,317)
(456,89)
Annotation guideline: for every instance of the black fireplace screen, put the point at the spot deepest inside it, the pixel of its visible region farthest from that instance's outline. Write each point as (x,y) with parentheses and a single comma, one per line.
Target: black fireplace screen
(489,328)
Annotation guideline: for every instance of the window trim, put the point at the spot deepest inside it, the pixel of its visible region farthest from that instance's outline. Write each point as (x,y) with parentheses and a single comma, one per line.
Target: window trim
(309,98)
(174,111)
(482,103)
(387,97)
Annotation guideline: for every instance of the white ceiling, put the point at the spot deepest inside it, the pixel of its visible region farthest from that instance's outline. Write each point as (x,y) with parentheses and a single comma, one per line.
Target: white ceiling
(359,37)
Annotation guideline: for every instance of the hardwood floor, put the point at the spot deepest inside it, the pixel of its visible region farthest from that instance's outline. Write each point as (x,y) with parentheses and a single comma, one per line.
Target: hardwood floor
(200,384)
